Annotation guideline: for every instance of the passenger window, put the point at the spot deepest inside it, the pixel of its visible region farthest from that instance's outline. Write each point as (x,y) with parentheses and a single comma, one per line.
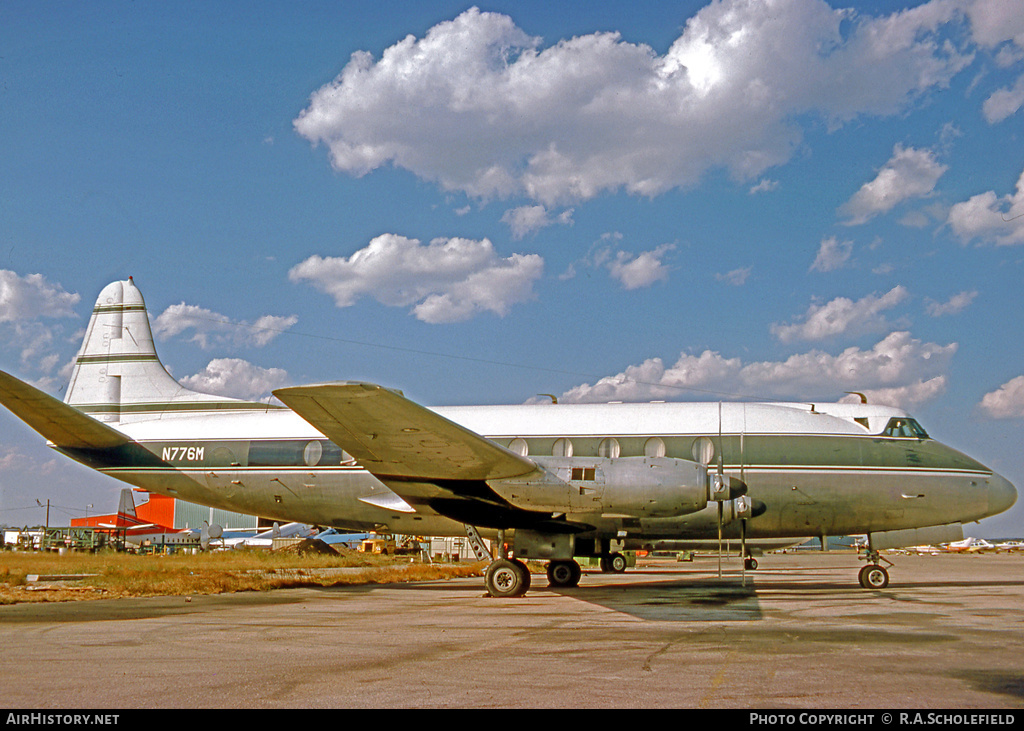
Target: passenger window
(703,450)
(519,446)
(654,447)
(312,453)
(562,448)
(609,448)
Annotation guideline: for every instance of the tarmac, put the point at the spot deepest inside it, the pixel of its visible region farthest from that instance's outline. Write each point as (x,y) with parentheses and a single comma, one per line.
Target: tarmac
(797,633)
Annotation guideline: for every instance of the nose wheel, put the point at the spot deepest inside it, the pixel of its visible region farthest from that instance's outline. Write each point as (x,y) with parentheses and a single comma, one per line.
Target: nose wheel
(873,576)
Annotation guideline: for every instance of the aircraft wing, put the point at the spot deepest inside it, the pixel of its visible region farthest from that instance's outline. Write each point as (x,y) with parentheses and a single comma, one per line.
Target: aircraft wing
(393,437)
(63,425)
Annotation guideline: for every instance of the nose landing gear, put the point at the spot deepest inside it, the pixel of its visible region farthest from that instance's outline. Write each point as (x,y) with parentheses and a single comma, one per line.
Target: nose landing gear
(874,575)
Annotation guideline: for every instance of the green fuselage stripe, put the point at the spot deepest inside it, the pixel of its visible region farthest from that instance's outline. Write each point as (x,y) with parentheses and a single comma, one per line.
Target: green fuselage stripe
(760,453)
(177,407)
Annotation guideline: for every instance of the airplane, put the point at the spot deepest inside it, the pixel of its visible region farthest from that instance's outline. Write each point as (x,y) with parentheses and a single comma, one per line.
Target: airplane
(265,539)
(548,482)
(130,529)
(969,545)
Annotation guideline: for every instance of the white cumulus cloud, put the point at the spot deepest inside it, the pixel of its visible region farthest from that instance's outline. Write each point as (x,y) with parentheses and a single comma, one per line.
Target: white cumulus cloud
(1006,402)
(212,329)
(989,218)
(842,316)
(954,305)
(28,307)
(832,254)
(32,296)
(737,277)
(909,173)
(905,397)
(899,371)
(527,220)
(1004,102)
(480,106)
(642,270)
(447,280)
(236,378)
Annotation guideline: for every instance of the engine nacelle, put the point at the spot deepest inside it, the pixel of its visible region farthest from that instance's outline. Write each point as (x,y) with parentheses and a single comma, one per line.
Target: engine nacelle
(629,487)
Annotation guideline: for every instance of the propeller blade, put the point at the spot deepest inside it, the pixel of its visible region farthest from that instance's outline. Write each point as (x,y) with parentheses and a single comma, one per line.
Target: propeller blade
(719,540)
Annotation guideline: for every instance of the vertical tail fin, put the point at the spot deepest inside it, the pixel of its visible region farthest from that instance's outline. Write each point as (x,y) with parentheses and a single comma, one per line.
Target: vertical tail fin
(118,376)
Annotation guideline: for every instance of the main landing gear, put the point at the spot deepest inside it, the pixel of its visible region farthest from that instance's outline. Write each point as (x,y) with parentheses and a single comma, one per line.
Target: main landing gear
(507,577)
(564,573)
(614,563)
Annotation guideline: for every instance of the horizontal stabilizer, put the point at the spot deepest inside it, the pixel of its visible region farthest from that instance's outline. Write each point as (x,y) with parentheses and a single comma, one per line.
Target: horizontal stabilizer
(63,425)
(392,436)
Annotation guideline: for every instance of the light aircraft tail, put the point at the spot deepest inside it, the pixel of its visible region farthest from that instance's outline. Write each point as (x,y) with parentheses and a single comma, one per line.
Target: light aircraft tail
(126,508)
(118,376)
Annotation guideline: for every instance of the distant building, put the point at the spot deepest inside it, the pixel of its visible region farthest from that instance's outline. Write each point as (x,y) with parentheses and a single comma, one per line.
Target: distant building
(175,514)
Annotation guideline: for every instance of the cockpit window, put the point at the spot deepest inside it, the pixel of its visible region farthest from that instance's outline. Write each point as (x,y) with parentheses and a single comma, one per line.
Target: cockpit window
(908,428)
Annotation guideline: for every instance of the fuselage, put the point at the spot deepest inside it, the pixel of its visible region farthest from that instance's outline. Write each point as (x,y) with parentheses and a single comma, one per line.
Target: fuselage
(823,469)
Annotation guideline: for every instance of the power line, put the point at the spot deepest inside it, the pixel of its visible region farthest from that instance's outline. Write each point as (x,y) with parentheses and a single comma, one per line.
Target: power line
(470,359)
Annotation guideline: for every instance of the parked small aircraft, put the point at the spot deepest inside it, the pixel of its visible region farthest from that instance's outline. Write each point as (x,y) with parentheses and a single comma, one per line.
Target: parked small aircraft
(132,530)
(265,539)
(554,482)
(969,545)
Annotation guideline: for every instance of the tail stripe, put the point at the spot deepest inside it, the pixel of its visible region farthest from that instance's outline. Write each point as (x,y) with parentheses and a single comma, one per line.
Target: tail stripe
(118,376)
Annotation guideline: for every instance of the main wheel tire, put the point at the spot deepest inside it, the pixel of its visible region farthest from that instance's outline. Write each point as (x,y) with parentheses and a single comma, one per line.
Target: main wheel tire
(873,576)
(750,563)
(564,574)
(506,578)
(617,563)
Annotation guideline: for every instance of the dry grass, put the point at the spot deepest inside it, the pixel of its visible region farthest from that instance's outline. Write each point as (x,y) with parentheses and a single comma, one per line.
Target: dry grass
(114,575)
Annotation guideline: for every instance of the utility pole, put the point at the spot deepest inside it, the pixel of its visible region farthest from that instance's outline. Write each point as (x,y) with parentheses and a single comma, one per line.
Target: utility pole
(47,510)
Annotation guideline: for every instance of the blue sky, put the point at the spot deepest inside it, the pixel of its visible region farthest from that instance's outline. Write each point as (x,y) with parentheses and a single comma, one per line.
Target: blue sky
(785,200)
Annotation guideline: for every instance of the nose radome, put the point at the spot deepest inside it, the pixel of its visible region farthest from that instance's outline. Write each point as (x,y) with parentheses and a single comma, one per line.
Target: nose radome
(1001,494)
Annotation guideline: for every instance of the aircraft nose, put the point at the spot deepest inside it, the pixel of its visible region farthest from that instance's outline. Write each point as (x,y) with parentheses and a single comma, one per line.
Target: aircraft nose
(1001,494)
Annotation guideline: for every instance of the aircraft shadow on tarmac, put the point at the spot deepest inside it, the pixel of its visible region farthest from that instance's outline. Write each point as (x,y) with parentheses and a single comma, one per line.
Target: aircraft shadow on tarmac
(675,601)
(993,681)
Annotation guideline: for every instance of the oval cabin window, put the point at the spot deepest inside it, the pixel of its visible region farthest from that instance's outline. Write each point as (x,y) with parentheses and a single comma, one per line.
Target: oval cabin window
(608,448)
(703,450)
(654,447)
(519,446)
(562,448)
(312,453)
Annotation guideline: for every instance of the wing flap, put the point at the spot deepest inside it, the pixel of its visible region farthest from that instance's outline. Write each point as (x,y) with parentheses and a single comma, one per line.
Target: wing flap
(63,425)
(394,437)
